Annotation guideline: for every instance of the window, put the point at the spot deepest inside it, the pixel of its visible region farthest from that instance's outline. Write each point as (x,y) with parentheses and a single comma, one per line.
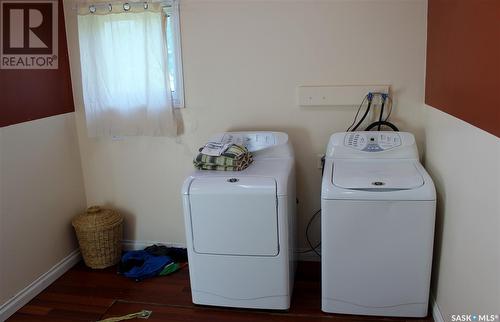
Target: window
(174,54)
(131,67)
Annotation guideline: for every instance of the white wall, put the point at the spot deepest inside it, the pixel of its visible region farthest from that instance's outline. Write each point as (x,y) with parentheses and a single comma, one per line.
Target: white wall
(464,162)
(41,190)
(242,63)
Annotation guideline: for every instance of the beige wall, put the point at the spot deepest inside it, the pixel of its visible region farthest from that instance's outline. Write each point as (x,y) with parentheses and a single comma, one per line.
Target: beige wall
(242,63)
(41,190)
(464,162)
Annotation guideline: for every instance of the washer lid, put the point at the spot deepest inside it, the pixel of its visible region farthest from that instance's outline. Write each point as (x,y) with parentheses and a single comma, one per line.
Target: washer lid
(376,175)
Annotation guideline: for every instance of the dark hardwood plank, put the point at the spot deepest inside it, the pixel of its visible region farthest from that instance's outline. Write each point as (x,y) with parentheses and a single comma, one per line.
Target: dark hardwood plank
(75,307)
(206,314)
(33,309)
(83,294)
(21,317)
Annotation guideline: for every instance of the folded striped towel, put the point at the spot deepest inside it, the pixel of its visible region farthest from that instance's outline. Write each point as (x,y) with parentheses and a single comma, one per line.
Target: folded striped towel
(234,158)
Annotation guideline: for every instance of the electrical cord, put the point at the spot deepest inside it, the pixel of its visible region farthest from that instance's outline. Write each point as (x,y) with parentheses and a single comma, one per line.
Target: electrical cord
(313,248)
(370,98)
(309,250)
(357,113)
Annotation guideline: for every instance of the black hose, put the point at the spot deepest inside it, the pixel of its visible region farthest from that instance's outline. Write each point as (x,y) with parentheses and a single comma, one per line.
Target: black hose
(379,123)
(364,115)
(381,112)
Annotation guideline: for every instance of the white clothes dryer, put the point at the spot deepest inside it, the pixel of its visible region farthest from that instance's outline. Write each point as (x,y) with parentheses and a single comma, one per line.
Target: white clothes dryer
(240,226)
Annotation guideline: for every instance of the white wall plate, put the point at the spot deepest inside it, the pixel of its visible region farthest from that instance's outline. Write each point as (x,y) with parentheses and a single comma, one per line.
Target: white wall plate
(336,95)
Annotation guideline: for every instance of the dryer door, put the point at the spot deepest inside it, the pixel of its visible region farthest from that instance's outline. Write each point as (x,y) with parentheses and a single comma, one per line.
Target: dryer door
(234,216)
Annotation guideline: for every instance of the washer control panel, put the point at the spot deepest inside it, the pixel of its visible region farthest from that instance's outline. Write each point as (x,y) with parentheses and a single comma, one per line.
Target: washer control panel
(372,142)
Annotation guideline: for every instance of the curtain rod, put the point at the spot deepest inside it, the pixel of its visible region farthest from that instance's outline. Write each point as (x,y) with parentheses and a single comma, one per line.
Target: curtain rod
(84,2)
(100,3)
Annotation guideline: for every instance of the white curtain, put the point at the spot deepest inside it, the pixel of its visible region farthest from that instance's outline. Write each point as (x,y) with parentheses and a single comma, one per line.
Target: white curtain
(124,63)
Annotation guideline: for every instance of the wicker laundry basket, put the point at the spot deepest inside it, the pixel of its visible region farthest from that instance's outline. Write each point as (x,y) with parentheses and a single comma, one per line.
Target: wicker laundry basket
(99,231)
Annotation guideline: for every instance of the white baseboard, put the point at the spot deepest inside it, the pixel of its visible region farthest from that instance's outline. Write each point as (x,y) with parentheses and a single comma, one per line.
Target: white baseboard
(129,244)
(436,313)
(29,292)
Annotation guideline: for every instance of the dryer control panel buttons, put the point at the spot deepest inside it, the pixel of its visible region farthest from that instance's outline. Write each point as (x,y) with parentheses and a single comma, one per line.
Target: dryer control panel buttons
(369,142)
(252,141)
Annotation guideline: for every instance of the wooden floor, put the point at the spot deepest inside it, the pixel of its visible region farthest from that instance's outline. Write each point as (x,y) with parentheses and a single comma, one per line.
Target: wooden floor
(83,294)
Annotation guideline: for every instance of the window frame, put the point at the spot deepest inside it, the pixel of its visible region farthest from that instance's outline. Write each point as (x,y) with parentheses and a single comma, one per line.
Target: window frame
(172,11)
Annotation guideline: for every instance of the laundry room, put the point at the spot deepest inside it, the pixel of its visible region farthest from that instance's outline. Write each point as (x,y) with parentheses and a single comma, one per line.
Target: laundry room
(249,160)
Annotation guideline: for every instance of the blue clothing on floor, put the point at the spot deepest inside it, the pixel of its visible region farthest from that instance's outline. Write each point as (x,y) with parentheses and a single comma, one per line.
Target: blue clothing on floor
(139,264)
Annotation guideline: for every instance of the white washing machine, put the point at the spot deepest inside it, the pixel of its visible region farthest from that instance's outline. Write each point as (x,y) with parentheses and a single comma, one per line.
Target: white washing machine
(240,227)
(377,226)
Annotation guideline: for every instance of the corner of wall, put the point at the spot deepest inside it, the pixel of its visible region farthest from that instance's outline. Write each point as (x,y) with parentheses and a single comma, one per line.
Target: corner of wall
(464,161)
